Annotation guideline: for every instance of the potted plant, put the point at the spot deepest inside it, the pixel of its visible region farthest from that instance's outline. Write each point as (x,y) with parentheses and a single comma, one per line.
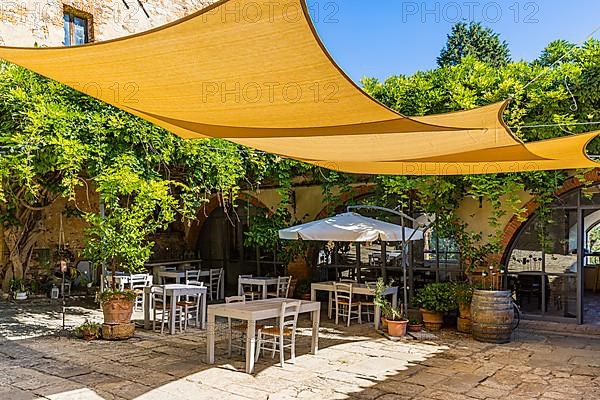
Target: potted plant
(18,289)
(434,300)
(415,325)
(135,208)
(89,330)
(492,312)
(393,318)
(463,294)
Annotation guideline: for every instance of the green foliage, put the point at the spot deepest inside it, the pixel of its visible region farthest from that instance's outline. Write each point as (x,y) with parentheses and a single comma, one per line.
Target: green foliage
(474,40)
(463,292)
(17,285)
(474,82)
(436,297)
(89,328)
(109,294)
(387,310)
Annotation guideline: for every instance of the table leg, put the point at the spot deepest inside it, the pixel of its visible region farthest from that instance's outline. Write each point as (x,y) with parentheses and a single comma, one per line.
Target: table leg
(250,346)
(316,316)
(203,310)
(222,291)
(210,338)
(313,297)
(377,317)
(395,299)
(330,305)
(172,316)
(146,308)
(264,290)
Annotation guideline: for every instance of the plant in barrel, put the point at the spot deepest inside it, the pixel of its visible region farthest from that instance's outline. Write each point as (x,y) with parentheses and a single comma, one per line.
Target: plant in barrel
(135,207)
(492,311)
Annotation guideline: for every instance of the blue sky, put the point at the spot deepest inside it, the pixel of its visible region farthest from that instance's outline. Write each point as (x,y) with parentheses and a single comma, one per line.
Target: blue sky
(385,37)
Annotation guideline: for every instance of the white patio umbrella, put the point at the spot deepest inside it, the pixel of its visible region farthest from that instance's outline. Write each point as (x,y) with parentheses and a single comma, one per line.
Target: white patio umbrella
(350,227)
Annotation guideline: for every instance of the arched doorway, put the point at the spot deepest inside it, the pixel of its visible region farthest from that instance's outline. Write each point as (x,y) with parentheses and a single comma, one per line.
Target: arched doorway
(221,243)
(554,267)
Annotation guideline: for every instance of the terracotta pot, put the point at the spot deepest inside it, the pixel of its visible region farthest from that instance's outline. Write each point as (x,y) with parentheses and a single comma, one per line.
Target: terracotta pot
(397,328)
(117,310)
(432,320)
(384,324)
(89,336)
(415,327)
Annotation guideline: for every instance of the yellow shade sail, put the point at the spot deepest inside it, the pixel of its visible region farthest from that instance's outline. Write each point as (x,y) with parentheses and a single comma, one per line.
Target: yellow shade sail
(257,74)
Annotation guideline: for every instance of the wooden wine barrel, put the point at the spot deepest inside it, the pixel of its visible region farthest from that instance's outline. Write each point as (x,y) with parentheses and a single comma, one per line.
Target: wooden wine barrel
(492,316)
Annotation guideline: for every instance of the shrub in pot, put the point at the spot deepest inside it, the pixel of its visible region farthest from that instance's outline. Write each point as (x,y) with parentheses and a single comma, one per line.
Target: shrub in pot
(415,325)
(18,289)
(434,300)
(89,330)
(393,318)
(463,295)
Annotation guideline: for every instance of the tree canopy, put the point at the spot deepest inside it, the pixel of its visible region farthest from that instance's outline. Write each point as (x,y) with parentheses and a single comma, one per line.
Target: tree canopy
(474,40)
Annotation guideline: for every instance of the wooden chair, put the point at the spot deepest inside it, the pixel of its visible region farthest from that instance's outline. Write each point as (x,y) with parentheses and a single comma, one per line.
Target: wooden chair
(192,276)
(191,307)
(137,283)
(367,305)
(248,290)
(240,327)
(215,280)
(161,304)
(283,287)
(344,304)
(292,288)
(283,336)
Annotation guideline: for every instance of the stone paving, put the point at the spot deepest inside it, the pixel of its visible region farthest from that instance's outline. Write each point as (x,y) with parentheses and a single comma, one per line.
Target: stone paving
(353,363)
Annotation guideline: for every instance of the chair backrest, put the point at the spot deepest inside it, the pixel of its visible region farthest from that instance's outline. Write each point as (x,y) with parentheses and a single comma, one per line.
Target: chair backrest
(192,276)
(347,280)
(215,277)
(235,299)
(167,269)
(159,296)
(343,291)
(283,285)
(292,287)
(288,316)
(137,281)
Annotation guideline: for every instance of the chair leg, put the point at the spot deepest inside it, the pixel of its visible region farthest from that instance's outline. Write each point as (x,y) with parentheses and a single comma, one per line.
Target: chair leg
(229,347)
(281,352)
(293,348)
(258,346)
(360,313)
(349,317)
(337,313)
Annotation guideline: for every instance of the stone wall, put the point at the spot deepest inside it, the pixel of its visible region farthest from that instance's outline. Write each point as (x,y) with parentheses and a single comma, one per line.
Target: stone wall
(27,22)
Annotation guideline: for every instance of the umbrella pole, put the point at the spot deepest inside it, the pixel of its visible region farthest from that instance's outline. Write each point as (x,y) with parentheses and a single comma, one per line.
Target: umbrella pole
(403,259)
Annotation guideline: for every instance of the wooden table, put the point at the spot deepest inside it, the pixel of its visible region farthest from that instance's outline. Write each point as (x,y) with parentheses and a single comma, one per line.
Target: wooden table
(251,312)
(357,288)
(176,291)
(263,281)
(179,277)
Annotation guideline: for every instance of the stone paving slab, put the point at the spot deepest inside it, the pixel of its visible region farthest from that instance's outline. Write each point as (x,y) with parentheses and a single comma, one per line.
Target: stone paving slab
(353,363)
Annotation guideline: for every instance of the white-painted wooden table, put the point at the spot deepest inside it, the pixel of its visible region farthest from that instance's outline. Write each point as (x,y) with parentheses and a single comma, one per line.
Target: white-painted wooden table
(176,291)
(262,281)
(357,288)
(251,312)
(179,277)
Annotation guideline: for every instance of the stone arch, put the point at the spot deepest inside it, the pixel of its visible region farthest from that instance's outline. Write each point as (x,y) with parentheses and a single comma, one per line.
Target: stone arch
(517,222)
(193,232)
